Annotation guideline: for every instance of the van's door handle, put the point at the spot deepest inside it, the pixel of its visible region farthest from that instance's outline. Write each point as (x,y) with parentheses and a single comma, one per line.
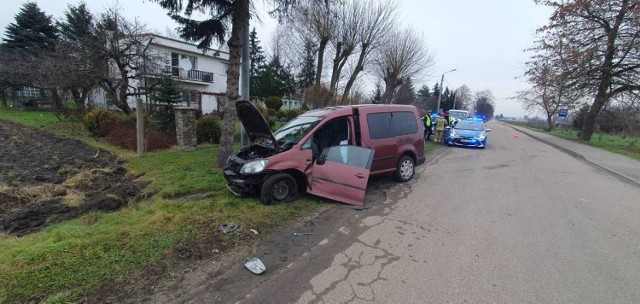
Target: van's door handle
(359,175)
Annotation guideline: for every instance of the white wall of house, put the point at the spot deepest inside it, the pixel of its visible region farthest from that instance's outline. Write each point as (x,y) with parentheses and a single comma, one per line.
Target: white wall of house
(191,68)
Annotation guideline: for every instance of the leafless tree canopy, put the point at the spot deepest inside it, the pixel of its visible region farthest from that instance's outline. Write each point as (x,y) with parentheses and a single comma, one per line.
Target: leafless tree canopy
(404,55)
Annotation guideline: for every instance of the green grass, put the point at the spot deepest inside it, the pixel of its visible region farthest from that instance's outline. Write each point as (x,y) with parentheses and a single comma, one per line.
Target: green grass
(625,145)
(68,260)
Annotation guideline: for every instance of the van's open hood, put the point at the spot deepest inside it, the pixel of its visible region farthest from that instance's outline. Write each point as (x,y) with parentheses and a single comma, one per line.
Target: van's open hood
(253,122)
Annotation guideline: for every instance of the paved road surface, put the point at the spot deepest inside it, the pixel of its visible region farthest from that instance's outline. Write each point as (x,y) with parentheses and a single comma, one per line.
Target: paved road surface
(517,222)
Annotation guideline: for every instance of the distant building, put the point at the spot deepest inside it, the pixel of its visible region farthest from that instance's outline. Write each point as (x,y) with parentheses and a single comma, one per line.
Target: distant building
(287,103)
(201,76)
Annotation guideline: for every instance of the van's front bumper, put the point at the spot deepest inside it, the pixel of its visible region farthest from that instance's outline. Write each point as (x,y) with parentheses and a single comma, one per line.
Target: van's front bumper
(240,184)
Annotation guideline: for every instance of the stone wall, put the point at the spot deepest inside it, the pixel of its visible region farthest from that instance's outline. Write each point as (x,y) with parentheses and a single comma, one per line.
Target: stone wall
(186,128)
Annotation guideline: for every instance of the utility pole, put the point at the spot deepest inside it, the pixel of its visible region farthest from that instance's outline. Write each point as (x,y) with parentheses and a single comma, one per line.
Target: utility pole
(244,79)
(441,89)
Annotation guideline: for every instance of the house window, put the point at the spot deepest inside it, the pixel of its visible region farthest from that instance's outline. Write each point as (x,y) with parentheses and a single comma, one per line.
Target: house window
(182,62)
(225,68)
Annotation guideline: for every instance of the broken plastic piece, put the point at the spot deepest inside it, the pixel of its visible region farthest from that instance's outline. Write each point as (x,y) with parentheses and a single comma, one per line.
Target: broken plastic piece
(229,228)
(254,231)
(303,233)
(255,265)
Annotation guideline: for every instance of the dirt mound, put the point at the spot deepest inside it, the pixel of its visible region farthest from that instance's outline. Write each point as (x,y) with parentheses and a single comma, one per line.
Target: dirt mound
(46,179)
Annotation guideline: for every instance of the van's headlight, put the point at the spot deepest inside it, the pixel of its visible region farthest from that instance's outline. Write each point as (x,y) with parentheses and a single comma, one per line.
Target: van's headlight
(253,167)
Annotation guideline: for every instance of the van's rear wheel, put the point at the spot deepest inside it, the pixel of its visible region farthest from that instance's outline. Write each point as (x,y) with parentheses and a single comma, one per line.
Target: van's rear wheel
(405,169)
(279,188)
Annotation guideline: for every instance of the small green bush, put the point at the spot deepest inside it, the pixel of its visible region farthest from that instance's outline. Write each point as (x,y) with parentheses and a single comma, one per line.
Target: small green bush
(96,118)
(304,108)
(208,129)
(271,113)
(273,102)
(292,114)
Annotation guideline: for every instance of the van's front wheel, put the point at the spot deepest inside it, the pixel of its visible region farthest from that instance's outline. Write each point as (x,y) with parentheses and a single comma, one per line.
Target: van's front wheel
(405,169)
(279,188)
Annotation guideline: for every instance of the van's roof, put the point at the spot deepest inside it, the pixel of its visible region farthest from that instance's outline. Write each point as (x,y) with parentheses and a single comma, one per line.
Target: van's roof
(323,112)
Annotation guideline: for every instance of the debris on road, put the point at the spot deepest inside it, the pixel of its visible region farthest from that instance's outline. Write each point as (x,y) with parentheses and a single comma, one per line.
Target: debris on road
(229,228)
(255,265)
(358,208)
(303,233)
(254,231)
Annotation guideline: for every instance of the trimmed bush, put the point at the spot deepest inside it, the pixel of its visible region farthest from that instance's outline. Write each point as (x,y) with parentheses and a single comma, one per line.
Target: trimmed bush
(291,114)
(273,102)
(94,120)
(271,113)
(208,129)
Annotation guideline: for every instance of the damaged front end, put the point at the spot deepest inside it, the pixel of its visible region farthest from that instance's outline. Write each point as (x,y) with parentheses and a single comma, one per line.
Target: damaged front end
(245,169)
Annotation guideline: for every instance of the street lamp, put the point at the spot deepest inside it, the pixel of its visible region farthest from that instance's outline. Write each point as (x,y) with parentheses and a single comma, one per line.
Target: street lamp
(440,93)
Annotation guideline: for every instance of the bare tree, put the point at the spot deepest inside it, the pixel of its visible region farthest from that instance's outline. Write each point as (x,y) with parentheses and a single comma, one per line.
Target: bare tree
(317,20)
(463,98)
(548,74)
(602,37)
(349,20)
(123,55)
(404,55)
(377,20)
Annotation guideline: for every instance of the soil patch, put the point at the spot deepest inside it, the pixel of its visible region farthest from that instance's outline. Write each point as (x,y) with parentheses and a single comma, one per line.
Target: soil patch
(46,179)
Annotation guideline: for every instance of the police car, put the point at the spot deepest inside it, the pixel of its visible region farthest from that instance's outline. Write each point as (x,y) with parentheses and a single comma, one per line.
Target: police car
(470,133)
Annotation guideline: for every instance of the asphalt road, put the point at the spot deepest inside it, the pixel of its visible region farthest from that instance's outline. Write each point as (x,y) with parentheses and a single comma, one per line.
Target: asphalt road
(518,222)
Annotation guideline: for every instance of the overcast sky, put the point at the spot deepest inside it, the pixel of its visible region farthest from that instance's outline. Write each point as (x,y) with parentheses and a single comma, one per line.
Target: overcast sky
(484,40)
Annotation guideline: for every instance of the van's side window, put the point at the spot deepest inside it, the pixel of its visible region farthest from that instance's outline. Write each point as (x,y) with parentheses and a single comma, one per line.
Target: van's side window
(404,123)
(379,125)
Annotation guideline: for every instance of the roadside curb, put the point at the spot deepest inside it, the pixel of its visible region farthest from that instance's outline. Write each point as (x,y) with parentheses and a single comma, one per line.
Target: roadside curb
(574,154)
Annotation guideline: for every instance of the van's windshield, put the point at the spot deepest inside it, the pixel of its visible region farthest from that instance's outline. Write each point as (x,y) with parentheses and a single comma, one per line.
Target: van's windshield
(292,132)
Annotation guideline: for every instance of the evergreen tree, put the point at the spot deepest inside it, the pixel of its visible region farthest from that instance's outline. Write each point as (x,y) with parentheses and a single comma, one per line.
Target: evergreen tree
(307,75)
(32,31)
(436,90)
(255,53)
(167,95)
(406,93)
(273,79)
(77,24)
(377,95)
(424,92)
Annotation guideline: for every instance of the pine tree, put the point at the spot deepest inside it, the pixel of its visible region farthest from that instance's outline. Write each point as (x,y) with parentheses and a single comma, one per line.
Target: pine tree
(273,80)
(377,95)
(255,53)
(167,95)
(32,31)
(406,93)
(77,24)
(307,75)
(424,92)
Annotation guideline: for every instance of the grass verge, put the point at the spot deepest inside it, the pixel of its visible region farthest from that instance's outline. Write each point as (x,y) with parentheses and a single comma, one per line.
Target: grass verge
(625,145)
(187,202)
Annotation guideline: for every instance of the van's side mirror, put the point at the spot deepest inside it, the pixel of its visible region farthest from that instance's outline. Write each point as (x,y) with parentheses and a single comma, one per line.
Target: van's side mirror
(322,158)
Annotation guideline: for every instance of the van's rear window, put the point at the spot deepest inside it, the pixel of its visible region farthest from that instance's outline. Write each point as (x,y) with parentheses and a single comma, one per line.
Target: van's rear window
(386,125)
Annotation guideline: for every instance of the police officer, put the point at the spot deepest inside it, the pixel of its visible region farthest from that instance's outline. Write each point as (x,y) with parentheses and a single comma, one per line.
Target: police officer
(427,126)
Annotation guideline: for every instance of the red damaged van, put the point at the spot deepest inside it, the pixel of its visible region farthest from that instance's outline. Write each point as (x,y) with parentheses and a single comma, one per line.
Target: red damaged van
(328,152)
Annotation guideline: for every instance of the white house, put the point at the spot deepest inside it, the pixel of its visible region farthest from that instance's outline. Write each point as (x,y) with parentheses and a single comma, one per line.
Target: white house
(201,76)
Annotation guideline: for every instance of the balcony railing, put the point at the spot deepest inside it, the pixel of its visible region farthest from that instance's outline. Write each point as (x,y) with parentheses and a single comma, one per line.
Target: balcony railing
(192,75)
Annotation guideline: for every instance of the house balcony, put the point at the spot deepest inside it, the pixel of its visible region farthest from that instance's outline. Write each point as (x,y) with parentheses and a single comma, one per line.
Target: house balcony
(192,75)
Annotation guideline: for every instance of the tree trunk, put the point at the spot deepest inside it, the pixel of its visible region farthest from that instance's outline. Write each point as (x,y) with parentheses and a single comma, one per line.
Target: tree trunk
(354,75)
(389,89)
(239,20)
(335,71)
(321,49)
(589,122)
(549,122)
(3,95)
(121,102)
(55,98)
